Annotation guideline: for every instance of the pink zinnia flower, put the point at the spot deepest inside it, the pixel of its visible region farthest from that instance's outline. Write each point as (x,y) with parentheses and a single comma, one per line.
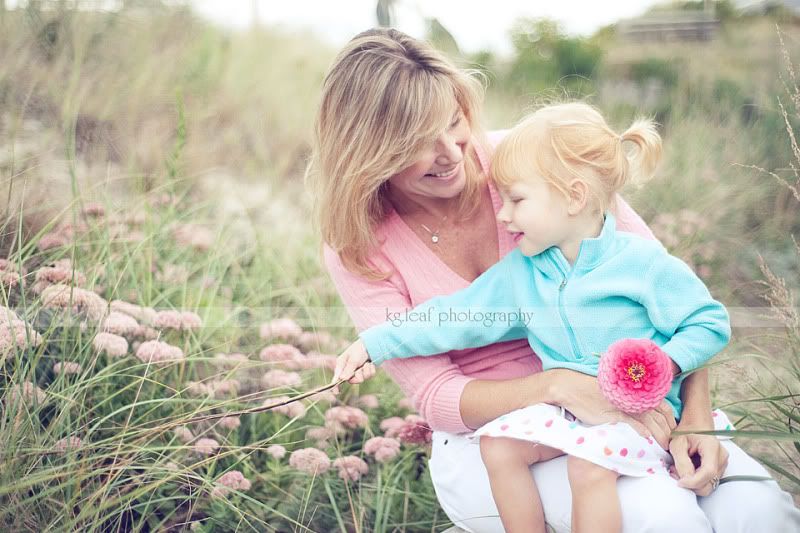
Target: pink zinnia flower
(280,328)
(113,345)
(285,354)
(119,324)
(281,378)
(391,426)
(276,451)
(351,467)
(383,448)
(291,409)
(67,368)
(341,418)
(158,352)
(232,480)
(635,375)
(67,444)
(206,446)
(310,460)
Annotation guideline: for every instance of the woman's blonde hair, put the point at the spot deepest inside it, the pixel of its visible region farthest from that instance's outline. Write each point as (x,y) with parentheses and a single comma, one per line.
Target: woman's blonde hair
(386,97)
(562,142)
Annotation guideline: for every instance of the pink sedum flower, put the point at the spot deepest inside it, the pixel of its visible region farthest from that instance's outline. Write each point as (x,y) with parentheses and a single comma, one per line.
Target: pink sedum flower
(391,426)
(280,378)
(79,300)
(342,418)
(351,467)
(383,448)
(120,324)
(145,315)
(25,392)
(415,431)
(320,436)
(67,444)
(184,434)
(230,422)
(232,480)
(310,460)
(276,451)
(67,368)
(284,354)
(157,352)
(635,375)
(206,446)
(113,345)
(291,409)
(280,328)
(178,320)
(15,334)
(368,401)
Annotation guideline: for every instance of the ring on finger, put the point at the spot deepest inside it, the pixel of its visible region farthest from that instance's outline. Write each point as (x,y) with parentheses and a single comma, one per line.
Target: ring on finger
(714,483)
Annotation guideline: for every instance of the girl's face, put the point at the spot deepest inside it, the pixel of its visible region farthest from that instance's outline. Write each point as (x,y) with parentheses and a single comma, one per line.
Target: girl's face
(536,213)
(439,170)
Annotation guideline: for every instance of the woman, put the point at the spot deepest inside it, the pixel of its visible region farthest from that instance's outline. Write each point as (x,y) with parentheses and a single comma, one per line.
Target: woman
(398,175)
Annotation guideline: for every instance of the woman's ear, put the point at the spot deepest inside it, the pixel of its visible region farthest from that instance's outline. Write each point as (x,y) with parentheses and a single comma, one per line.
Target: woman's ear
(578,196)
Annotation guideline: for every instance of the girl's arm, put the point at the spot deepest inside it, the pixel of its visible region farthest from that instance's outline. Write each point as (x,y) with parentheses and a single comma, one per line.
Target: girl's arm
(490,313)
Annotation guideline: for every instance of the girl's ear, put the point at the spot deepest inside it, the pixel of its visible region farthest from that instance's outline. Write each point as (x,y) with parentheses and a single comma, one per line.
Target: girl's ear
(578,192)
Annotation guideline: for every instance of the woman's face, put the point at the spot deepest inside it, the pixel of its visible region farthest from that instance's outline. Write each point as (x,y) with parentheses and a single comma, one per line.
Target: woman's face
(438,171)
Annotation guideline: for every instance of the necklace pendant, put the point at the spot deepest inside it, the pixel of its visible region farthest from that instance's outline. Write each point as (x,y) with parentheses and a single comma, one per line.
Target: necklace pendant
(434,238)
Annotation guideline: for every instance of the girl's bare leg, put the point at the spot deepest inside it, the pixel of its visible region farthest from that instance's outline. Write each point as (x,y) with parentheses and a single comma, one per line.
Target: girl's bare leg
(507,463)
(595,501)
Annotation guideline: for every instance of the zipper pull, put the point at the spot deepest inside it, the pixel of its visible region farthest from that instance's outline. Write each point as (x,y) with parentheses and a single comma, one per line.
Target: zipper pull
(563,284)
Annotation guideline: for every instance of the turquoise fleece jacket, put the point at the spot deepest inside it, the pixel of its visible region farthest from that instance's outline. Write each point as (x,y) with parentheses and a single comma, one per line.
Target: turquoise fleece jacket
(620,286)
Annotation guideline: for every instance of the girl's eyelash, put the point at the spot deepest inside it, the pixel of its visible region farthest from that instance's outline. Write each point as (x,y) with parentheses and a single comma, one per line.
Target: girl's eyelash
(456,121)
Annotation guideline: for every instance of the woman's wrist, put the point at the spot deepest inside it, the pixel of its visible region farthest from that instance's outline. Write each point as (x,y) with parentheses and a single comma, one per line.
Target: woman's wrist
(554,390)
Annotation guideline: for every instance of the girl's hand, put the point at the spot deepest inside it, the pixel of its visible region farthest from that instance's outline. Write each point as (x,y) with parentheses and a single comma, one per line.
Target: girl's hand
(581,395)
(699,459)
(353,365)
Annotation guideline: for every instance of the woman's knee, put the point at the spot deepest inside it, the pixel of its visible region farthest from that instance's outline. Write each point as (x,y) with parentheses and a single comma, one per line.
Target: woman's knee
(655,504)
(750,506)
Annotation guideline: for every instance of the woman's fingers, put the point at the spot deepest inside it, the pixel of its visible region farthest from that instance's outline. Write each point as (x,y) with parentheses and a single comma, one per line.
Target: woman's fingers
(669,415)
(679,448)
(657,426)
(713,462)
(640,428)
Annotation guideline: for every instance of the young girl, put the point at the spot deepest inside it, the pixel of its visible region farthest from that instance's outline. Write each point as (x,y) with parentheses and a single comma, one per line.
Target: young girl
(572,287)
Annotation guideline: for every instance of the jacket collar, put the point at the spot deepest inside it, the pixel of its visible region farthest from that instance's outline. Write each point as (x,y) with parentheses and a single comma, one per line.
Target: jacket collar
(591,252)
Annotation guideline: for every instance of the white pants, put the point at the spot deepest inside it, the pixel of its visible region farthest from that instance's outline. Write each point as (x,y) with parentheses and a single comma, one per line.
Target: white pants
(649,504)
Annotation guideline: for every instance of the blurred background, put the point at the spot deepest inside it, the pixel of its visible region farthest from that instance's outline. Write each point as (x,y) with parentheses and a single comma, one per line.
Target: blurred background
(199,114)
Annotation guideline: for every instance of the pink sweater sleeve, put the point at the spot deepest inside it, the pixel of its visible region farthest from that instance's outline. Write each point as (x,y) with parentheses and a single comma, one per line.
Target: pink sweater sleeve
(434,384)
(628,220)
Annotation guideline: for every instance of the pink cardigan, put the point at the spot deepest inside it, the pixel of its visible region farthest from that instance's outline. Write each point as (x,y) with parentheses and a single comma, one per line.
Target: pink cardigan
(434,384)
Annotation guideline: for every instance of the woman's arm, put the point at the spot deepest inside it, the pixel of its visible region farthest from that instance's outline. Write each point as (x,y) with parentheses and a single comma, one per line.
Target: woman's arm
(697,417)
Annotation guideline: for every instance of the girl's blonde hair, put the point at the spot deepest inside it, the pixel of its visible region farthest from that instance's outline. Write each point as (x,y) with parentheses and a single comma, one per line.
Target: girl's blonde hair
(385,99)
(562,142)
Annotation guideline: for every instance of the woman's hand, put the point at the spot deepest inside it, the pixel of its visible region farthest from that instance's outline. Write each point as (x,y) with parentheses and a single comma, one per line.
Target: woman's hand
(353,365)
(581,395)
(700,460)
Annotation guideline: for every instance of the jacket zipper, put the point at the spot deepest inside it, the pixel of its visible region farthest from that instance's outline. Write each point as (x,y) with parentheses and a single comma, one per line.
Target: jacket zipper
(571,334)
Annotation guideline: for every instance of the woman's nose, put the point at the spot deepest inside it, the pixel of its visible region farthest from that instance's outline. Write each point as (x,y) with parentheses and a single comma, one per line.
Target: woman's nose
(450,149)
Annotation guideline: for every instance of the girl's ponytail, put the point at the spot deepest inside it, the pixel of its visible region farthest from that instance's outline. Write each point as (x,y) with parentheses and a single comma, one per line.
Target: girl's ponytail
(642,163)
